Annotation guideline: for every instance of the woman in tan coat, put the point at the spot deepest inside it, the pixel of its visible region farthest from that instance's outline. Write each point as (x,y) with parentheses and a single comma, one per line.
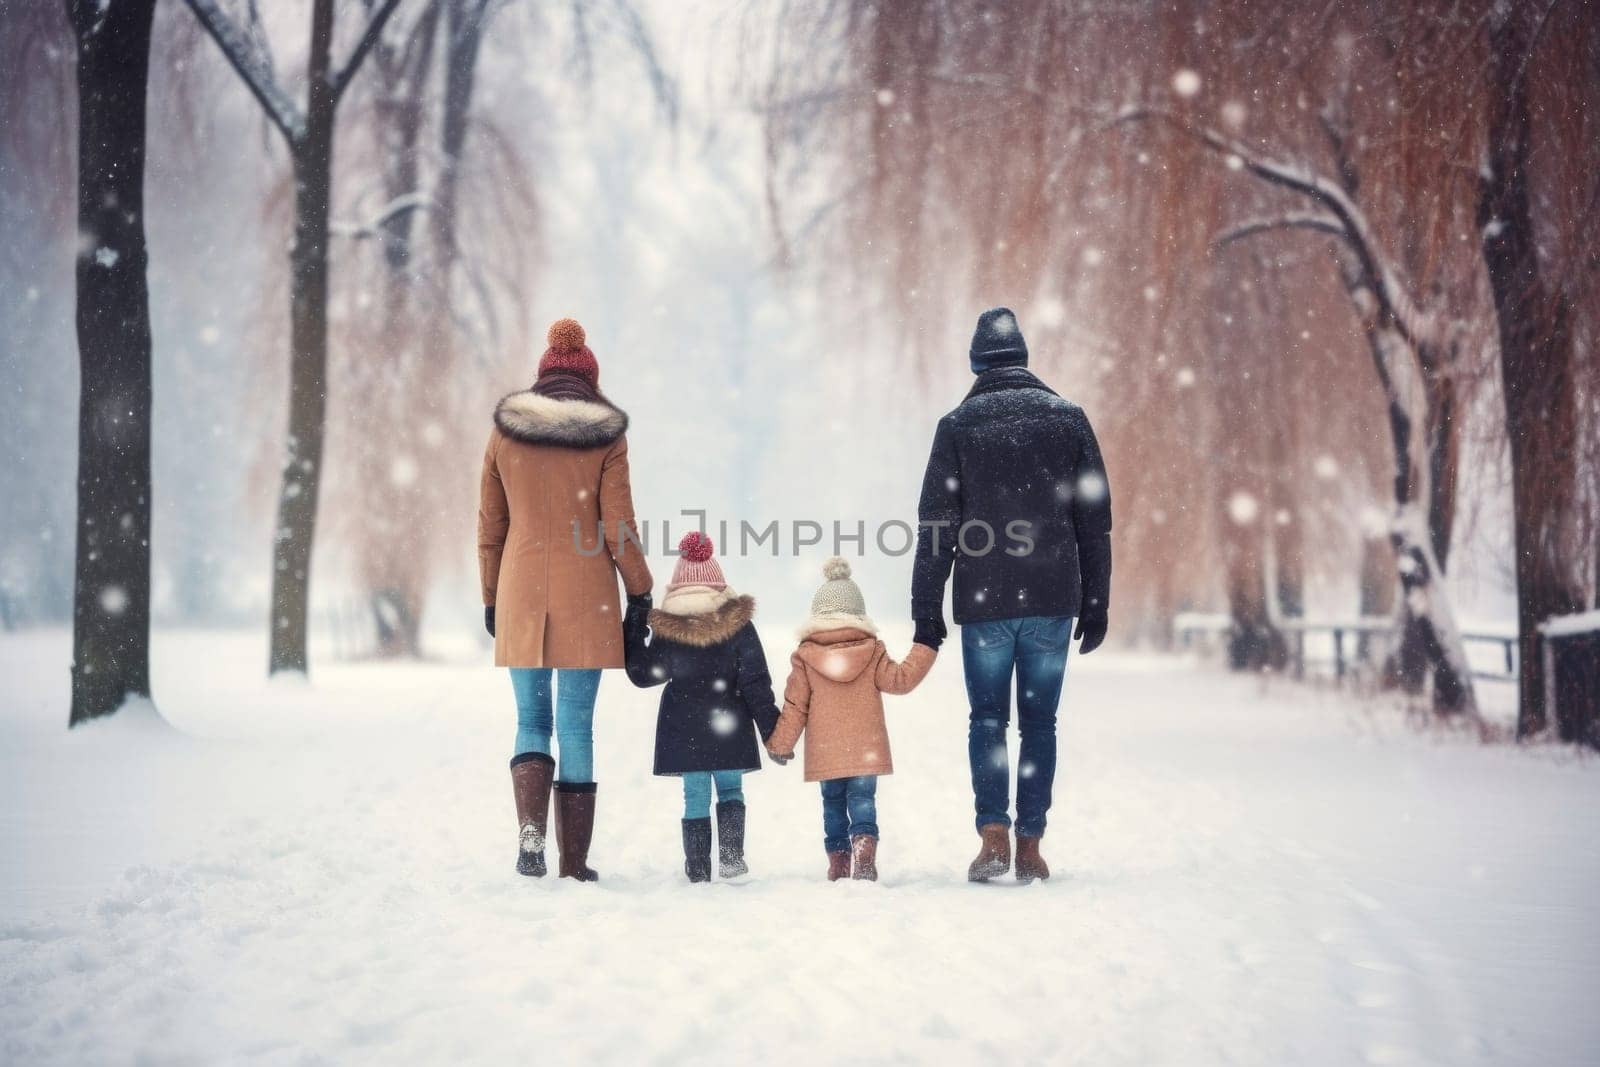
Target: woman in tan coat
(837,678)
(555,529)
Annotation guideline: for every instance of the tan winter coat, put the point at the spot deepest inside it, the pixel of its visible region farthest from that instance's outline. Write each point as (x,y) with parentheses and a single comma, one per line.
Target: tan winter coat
(551,463)
(837,679)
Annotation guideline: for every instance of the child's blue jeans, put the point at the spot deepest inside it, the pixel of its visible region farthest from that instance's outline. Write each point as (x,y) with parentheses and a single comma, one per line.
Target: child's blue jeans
(849,809)
(697,791)
(571,719)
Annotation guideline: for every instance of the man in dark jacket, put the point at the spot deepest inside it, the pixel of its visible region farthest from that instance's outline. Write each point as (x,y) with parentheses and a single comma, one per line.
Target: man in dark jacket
(1016,500)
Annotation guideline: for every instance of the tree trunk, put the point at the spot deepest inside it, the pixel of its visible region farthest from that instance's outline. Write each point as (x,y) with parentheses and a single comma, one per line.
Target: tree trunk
(1428,633)
(111,593)
(295,532)
(1536,366)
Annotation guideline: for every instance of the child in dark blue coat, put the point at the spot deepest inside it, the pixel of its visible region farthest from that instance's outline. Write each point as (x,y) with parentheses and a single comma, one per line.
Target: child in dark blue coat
(701,644)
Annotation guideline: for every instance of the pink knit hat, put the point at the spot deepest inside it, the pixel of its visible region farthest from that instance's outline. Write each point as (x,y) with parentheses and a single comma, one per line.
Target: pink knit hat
(695,565)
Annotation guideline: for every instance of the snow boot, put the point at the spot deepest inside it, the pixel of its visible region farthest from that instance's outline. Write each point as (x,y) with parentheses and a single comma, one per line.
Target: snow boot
(697,849)
(864,855)
(994,855)
(530,785)
(838,866)
(730,840)
(1030,864)
(575,829)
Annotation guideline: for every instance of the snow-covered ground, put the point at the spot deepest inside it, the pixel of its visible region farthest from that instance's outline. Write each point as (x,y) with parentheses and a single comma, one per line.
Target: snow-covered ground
(1245,874)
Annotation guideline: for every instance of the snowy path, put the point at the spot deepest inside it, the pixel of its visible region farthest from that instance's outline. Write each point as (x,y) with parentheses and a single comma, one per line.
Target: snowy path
(1244,875)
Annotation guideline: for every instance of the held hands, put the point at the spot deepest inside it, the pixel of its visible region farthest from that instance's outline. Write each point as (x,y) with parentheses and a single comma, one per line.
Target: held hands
(780,760)
(1092,630)
(488,619)
(930,632)
(640,601)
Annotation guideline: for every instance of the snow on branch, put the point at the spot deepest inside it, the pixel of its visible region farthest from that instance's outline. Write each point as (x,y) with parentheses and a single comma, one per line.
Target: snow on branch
(393,209)
(245,54)
(369,37)
(1414,324)
(1294,220)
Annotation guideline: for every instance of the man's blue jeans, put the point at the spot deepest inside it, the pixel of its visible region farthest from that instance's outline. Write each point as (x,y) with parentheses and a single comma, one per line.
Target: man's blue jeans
(849,809)
(571,719)
(1035,650)
(697,791)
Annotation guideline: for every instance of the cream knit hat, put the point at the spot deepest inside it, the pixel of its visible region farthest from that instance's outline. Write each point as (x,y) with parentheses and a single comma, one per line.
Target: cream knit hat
(838,595)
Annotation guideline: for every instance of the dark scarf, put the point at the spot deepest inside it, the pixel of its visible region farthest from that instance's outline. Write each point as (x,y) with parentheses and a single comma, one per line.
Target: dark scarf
(565,385)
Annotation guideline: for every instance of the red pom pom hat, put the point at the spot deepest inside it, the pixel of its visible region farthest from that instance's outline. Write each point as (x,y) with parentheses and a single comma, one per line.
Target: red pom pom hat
(568,352)
(695,563)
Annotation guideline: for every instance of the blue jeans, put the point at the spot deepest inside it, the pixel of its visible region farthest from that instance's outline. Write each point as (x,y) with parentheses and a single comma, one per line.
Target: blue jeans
(572,718)
(697,791)
(849,809)
(1035,649)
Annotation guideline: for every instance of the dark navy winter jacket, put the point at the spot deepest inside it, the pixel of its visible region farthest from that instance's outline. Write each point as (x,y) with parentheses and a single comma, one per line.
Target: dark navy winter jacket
(718,694)
(1017,463)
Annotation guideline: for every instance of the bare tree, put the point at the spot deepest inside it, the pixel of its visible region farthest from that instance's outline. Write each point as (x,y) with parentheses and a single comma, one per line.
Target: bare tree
(309,134)
(111,591)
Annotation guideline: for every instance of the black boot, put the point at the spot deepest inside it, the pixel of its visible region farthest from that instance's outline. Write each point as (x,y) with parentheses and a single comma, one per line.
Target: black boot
(697,849)
(730,839)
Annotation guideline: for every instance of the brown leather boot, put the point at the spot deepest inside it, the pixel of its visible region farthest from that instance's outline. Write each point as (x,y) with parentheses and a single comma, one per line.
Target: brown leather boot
(838,866)
(575,829)
(531,773)
(864,856)
(1030,864)
(994,855)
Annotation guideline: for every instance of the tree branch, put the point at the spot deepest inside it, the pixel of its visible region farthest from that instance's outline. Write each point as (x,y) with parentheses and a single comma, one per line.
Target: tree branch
(252,66)
(1417,327)
(369,37)
(1317,221)
(398,206)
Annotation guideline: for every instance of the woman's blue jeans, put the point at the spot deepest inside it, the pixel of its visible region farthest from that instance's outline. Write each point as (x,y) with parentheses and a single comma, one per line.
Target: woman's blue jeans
(571,718)
(697,791)
(849,809)
(1035,650)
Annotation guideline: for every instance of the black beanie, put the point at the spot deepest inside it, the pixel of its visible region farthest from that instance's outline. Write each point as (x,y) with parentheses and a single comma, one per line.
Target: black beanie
(997,342)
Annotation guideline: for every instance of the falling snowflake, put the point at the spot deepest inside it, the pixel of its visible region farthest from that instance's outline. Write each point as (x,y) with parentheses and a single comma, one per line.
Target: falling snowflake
(1092,256)
(1243,508)
(979,596)
(658,671)
(720,685)
(106,257)
(1234,113)
(885,97)
(952,484)
(998,756)
(1026,769)
(1005,325)
(113,600)
(403,472)
(1282,517)
(210,335)
(1327,467)
(1184,377)
(1092,487)
(723,722)
(1186,83)
(1050,313)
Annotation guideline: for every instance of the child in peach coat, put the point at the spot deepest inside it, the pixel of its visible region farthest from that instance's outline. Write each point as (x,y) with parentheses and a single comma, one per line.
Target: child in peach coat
(837,679)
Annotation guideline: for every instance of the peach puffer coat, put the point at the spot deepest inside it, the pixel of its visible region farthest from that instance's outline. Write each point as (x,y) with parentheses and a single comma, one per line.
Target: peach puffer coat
(837,679)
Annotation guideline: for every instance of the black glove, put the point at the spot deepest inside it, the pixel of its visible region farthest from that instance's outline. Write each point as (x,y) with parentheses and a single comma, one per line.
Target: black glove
(488,619)
(931,632)
(1092,630)
(779,760)
(640,601)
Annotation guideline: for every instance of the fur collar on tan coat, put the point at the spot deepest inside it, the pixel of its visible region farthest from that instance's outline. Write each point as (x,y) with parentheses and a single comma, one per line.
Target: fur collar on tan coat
(536,419)
(834,697)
